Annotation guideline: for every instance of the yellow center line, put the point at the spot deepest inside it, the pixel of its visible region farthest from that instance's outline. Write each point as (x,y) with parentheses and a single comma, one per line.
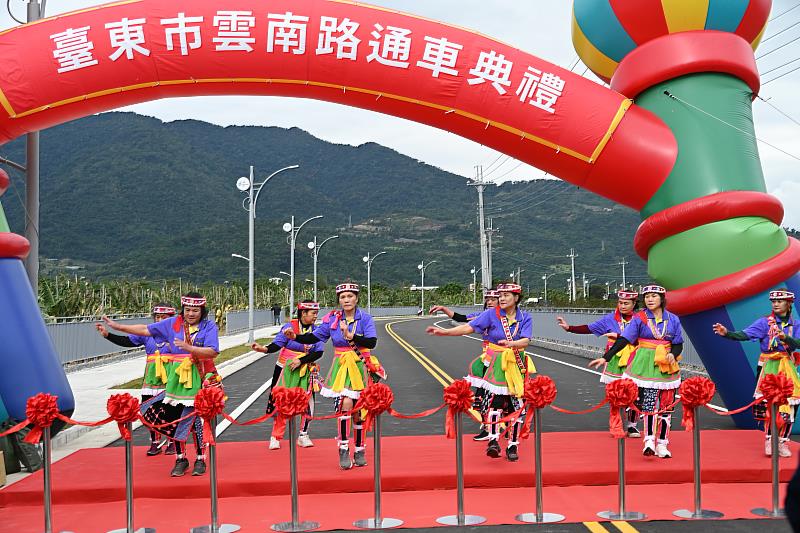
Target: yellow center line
(441,376)
(595,527)
(625,527)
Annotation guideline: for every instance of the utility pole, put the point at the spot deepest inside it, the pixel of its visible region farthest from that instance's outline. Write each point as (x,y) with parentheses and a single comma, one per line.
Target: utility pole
(32,185)
(572,255)
(583,285)
(490,231)
(623,263)
(480,186)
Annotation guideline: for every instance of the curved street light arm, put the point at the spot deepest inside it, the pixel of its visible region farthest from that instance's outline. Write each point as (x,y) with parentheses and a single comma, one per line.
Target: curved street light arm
(326,240)
(260,186)
(297,230)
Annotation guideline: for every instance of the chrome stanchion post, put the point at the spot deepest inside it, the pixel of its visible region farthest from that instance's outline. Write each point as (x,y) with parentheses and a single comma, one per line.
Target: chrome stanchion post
(776,511)
(460,519)
(129,527)
(377,522)
(214,526)
(622,514)
(699,513)
(48,481)
(539,517)
(295,525)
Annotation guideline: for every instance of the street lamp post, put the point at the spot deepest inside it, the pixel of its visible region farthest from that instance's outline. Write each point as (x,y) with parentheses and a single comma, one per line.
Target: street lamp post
(248,185)
(421,267)
(293,230)
(315,248)
(368,260)
(545,278)
(474,283)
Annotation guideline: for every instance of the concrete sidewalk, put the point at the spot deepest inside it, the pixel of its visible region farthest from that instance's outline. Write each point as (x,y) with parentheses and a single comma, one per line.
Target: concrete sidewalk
(93,386)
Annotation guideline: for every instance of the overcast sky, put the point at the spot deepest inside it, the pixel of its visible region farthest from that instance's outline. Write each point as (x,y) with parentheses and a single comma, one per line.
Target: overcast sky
(536,26)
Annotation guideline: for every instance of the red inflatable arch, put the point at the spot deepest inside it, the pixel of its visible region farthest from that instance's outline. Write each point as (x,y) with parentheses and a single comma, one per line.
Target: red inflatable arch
(73,65)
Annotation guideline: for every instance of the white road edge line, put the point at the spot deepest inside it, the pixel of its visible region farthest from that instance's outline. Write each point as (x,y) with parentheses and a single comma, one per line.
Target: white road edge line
(243,406)
(717,407)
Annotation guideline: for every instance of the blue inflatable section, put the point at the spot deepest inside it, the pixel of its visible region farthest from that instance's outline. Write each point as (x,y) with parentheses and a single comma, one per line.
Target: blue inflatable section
(733,365)
(28,361)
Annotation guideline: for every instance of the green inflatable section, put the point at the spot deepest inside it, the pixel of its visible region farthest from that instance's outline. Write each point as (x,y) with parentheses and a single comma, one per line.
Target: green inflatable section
(714,250)
(713,153)
(3,222)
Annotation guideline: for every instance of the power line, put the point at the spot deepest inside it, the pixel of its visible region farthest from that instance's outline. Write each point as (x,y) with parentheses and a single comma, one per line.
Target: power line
(522,200)
(783,13)
(508,172)
(787,28)
(780,66)
(495,169)
(779,77)
(495,161)
(773,106)
(787,43)
(670,95)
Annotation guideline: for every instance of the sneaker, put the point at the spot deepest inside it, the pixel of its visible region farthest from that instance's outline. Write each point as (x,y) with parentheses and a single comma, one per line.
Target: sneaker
(649,448)
(783,449)
(274,444)
(304,441)
(633,432)
(199,468)
(154,449)
(360,458)
(768,447)
(171,448)
(493,450)
(181,465)
(511,453)
(344,459)
(662,451)
(483,435)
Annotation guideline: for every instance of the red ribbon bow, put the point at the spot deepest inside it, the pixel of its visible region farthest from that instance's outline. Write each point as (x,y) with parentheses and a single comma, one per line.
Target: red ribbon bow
(458,397)
(376,399)
(123,408)
(539,393)
(695,392)
(208,404)
(289,401)
(619,394)
(41,410)
(777,389)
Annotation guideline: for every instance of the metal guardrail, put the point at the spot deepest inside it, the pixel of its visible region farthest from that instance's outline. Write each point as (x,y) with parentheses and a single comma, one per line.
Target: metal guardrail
(80,341)
(77,341)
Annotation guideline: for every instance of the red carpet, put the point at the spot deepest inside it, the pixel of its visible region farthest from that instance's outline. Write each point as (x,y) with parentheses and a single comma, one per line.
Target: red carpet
(88,486)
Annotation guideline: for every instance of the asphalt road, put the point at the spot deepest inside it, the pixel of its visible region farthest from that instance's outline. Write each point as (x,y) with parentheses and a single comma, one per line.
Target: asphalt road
(419,366)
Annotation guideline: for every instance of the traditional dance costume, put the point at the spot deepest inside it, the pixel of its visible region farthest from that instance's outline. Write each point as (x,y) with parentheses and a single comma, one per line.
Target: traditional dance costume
(352,369)
(612,325)
(506,371)
(305,376)
(776,358)
(477,369)
(651,370)
(185,376)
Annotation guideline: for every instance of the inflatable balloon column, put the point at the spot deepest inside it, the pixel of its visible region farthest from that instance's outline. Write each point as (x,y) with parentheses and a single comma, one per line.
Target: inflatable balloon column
(29,362)
(710,233)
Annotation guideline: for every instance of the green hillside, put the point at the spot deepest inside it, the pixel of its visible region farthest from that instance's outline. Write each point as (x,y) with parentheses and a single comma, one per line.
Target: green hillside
(125,195)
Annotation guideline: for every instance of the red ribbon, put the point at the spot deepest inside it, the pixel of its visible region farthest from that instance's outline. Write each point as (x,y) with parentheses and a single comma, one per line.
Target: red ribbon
(123,408)
(458,397)
(376,399)
(41,411)
(695,392)
(208,404)
(619,393)
(539,393)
